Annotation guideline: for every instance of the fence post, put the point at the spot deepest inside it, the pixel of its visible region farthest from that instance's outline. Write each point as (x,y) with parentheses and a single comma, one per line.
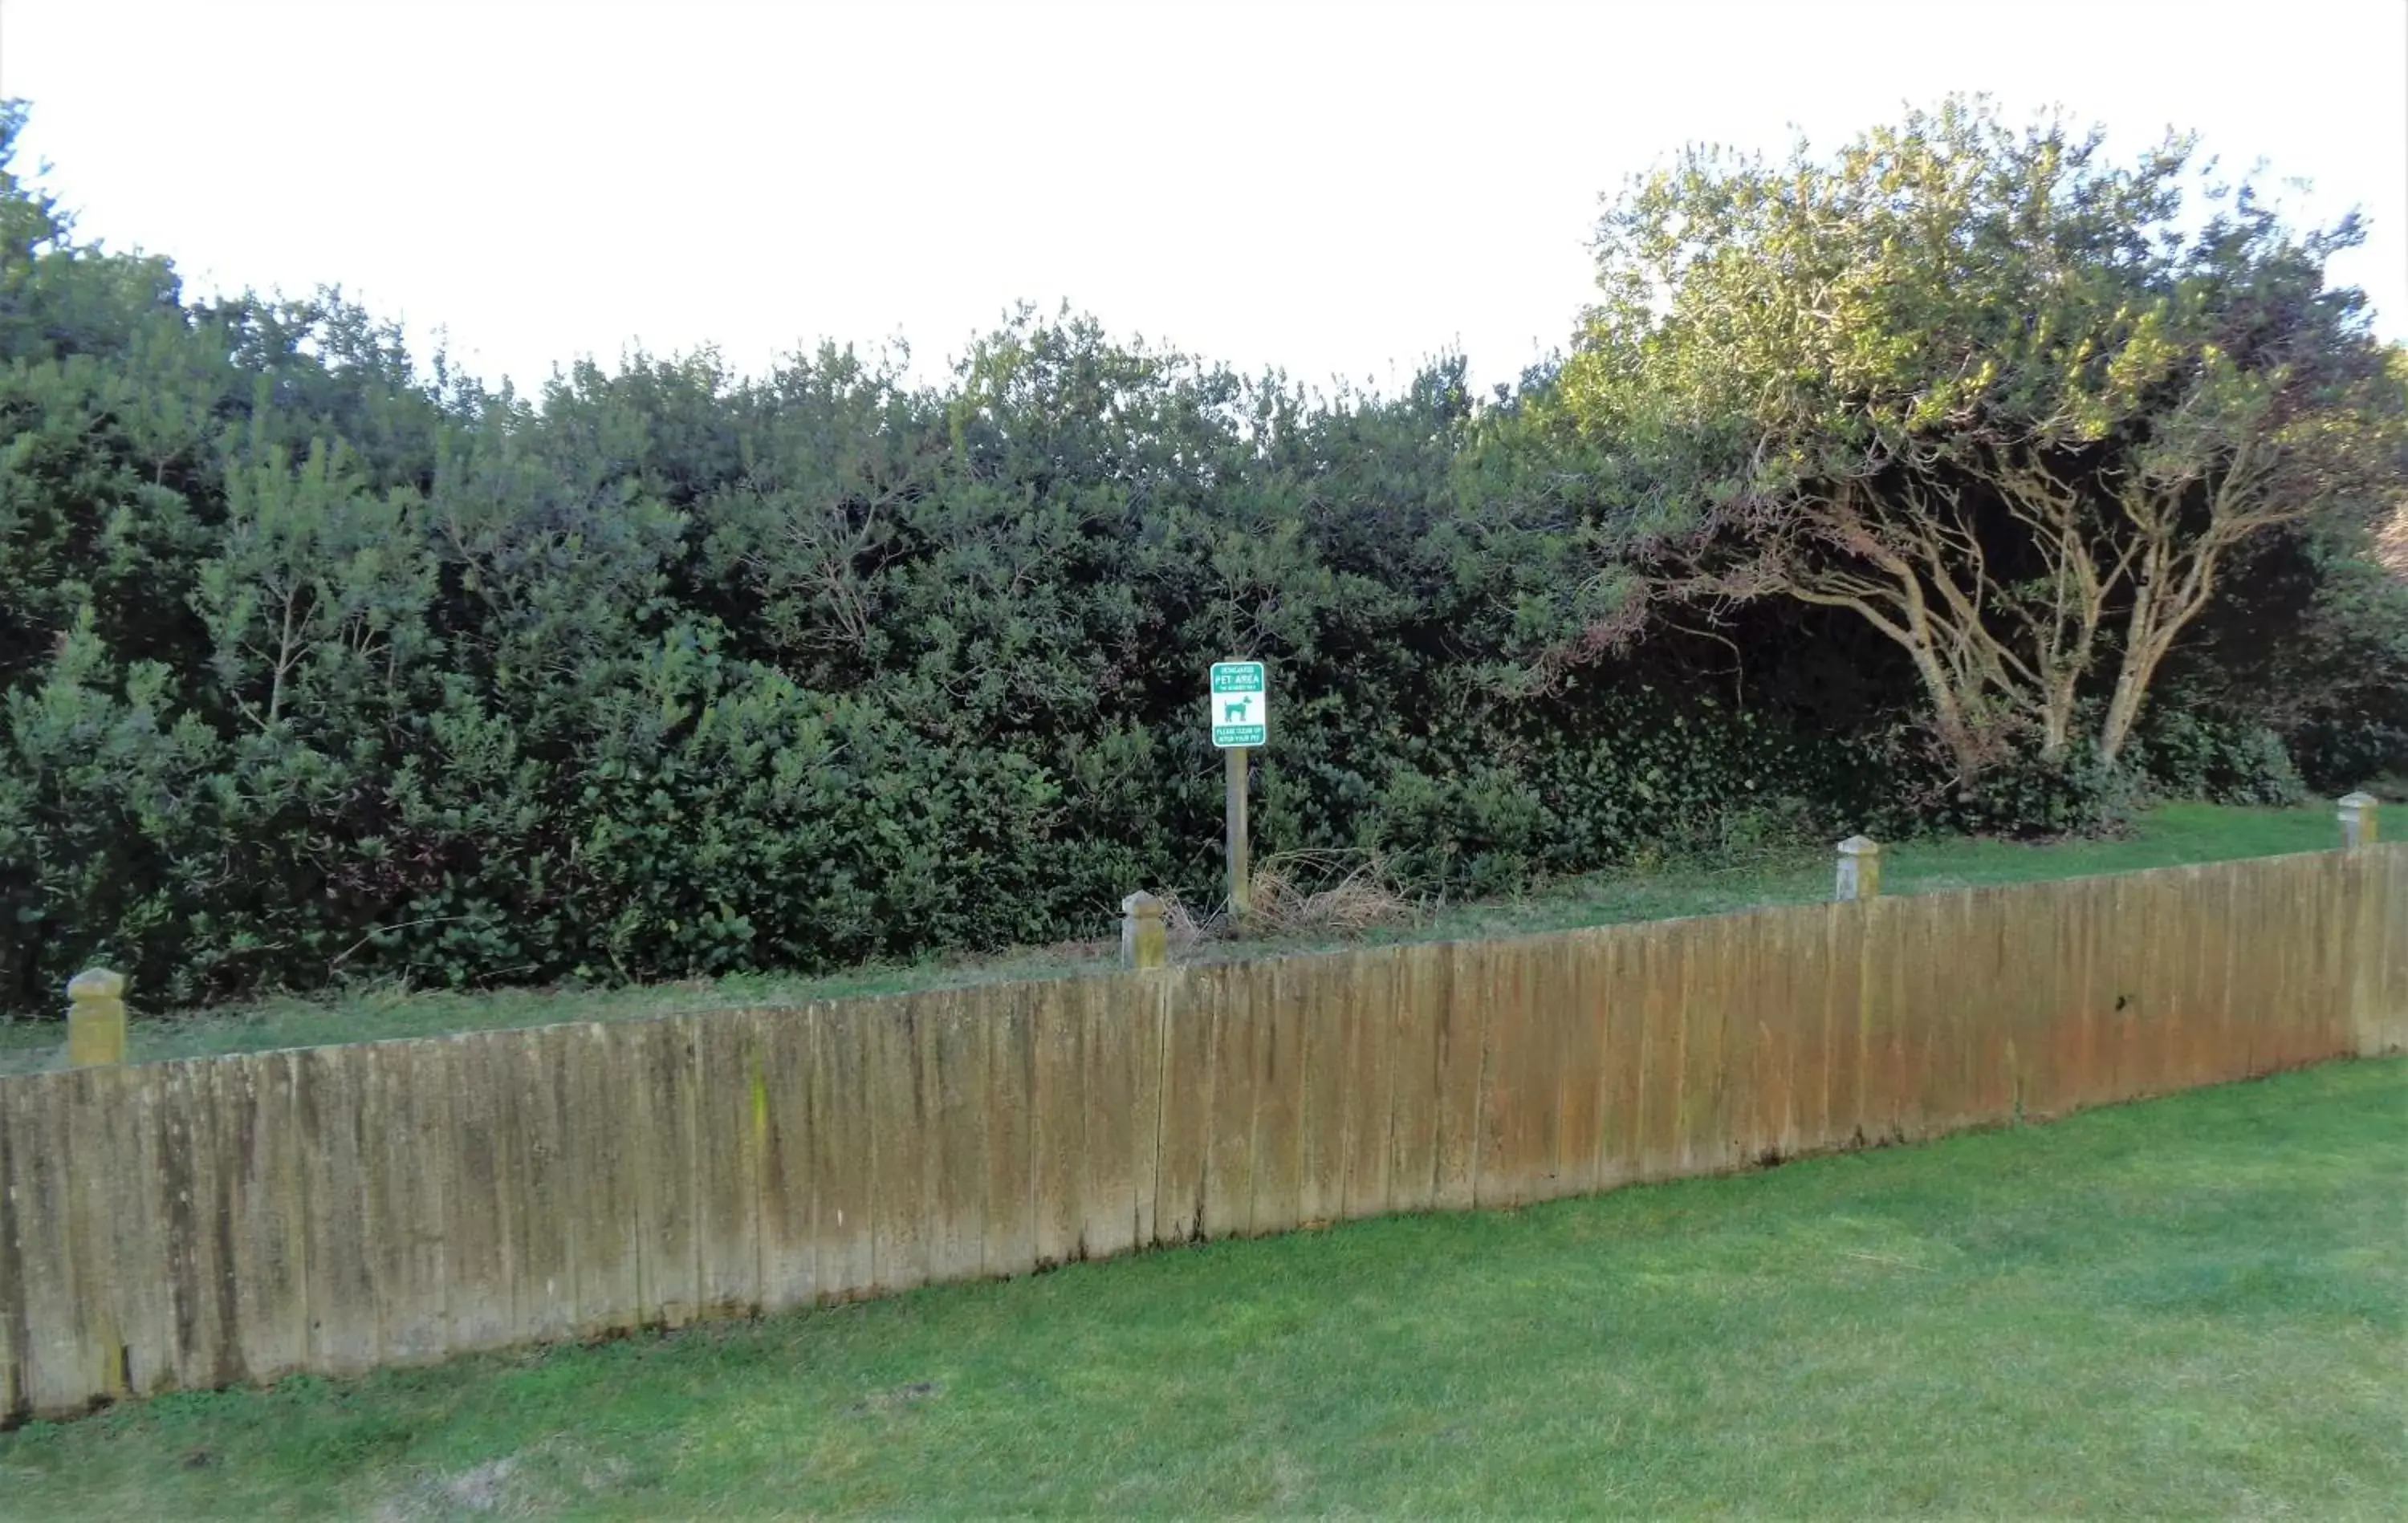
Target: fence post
(1145,937)
(1859,868)
(95,1018)
(2357,820)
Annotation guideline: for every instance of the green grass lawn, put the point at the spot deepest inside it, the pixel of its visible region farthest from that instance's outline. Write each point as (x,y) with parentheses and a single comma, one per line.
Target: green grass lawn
(2170,835)
(2184,1307)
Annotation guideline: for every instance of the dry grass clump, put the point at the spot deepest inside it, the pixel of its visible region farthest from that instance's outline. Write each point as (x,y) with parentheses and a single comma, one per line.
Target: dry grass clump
(1302,894)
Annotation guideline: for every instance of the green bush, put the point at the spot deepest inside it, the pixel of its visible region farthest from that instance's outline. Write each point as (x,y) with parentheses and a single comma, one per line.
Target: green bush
(314,668)
(2187,754)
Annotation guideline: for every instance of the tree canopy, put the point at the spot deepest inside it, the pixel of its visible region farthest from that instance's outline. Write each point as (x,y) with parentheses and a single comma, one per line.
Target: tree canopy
(2009,402)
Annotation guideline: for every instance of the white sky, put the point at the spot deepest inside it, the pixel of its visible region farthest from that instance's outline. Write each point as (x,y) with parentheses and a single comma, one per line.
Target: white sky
(1333,189)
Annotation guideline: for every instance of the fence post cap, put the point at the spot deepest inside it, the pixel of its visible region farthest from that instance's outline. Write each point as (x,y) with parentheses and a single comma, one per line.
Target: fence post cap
(2358,800)
(1142,904)
(97,984)
(1860,845)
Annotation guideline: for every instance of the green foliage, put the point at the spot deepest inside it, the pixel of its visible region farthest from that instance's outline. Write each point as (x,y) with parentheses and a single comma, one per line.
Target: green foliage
(320,664)
(2194,754)
(1980,388)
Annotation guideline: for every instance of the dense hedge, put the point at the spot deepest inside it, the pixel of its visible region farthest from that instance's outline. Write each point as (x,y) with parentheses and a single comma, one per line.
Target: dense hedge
(314,664)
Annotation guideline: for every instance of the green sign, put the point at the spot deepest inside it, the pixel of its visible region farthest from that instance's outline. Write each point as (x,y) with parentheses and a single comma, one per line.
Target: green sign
(1240,704)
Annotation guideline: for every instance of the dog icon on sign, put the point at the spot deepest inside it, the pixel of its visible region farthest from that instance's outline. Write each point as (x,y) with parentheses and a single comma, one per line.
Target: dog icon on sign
(1236,709)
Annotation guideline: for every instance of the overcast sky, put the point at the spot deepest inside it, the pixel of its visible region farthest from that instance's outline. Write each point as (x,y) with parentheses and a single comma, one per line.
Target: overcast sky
(1332,189)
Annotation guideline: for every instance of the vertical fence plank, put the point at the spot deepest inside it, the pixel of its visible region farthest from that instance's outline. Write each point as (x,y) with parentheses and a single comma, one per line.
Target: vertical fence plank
(56,1372)
(2175,937)
(1009,1246)
(1934,1061)
(1803,978)
(1947,1010)
(1107,1092)
(2211,976)
(2295,995)
(1279,1094)
(1502,1008)
(271,1272)
(1805,1117)
(1374,1016)
(2334,874)
(1546,987)
(1581,1055)
(1753,1063)
(1946,1005)
(957,1156)
(789,1209)
(16,1136)
(841,1148)
(1882,996)
(2260,976)
(2027,927)
(731,1135)
(1229,1155)
(2311,928)
(661,1079)
(1761,1038)
(2361,956)
(2051,1028)
(409,1119)
(2391,922)
(537,1071)
(2134,1005)
(2166,968)
(2078,944)
(1415,1048)
(118,1227)
(1973,946)
(1145,1004)
(2094,909)
(2214,1033)
(1330,988)
(2281,936)
(2001,1028)
(2233,1014)
(1849,1081)
(1916,995)
(343,1288)
(193,1247)
(2313,998)
(1462,1017)
(1513,1125)
(484,1210)
(1619,971)
(898,1143)
(1655,964)
(606,1226)
(1059,1117)
(1182,1179)
(1704,950)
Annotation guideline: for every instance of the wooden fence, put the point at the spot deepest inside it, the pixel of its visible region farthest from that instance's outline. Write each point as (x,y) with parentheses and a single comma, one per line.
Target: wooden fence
(205,1222)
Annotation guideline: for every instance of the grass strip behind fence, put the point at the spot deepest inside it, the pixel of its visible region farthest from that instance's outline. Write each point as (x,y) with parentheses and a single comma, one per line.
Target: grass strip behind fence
(2167,837)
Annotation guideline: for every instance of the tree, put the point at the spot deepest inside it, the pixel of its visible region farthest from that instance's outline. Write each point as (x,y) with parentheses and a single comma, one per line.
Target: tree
(1981,388)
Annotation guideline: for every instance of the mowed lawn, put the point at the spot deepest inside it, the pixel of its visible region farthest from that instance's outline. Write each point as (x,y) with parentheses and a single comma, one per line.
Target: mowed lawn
(2189,1306)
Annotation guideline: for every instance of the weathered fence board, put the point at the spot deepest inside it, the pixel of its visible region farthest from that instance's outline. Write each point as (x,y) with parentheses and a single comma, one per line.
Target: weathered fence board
(200,1223)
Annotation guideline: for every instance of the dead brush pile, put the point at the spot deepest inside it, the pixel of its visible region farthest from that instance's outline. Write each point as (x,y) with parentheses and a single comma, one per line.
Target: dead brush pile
(1306,895)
